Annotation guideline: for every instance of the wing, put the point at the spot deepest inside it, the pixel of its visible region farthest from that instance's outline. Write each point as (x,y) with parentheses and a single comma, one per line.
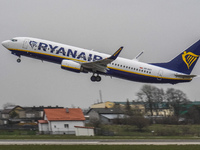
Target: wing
(101,65)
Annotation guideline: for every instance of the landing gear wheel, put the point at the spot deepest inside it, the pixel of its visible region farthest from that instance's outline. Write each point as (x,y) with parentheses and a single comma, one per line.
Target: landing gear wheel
(18,60)
(98,78)
(93,78)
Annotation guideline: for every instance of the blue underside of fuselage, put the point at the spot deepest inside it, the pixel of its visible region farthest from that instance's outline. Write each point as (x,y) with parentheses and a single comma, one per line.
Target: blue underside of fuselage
(110,72)
(141,78)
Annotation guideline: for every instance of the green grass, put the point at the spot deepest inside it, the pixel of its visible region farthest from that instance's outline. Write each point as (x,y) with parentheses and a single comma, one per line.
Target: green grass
(158,130)
(59,137)
(97,147)
(120,132)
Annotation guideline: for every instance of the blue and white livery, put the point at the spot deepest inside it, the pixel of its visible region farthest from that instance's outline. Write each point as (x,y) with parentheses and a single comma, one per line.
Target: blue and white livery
(81,60)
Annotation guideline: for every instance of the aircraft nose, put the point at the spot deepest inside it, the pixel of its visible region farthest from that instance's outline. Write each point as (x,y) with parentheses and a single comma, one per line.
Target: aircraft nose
(5,43)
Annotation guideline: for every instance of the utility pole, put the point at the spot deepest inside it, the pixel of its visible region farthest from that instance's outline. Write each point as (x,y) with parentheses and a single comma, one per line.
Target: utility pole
(100,94)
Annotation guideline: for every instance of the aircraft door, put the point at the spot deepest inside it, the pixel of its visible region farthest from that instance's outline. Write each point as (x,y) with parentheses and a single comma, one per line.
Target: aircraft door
(25,44)
(160,74)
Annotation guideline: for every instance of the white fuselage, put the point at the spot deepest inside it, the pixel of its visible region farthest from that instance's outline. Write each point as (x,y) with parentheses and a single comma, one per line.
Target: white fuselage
(121,67)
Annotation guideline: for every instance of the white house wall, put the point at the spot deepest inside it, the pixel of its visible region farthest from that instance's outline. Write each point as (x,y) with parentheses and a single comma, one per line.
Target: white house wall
(43,128)
(84,131)
(64,127)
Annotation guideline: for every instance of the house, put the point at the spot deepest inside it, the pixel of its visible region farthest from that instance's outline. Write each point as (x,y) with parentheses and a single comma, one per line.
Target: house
(10,114)
(105,115)
(33,114)
(1,118)
(162,109)
(61,121)
(136,106)
(103,105)
(17,115)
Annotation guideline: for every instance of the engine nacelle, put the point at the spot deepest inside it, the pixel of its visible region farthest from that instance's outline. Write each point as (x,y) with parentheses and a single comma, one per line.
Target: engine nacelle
(71,66)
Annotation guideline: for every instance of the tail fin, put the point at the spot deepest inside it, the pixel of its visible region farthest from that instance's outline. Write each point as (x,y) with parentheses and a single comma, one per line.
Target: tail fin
(185,61)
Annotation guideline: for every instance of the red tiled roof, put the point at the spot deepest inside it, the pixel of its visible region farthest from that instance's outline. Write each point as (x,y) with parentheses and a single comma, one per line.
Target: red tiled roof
(73,114)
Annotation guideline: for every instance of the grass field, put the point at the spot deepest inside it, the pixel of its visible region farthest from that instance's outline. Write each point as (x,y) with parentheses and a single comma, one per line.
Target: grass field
(95,137)
(104,147)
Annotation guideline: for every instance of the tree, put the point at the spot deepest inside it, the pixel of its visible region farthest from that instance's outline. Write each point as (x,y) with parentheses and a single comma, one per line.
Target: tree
(176,98)
(7,105)
(128,110)
(152,96)
(95,122)
(140,122)
(13,114)
(193,114)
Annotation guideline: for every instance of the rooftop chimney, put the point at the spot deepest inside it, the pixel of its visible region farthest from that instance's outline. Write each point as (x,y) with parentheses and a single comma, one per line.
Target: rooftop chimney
(67,110)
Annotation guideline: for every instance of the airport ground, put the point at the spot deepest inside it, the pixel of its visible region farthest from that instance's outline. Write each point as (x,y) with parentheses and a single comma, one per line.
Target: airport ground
(61,142)
(184,138)
(97,147)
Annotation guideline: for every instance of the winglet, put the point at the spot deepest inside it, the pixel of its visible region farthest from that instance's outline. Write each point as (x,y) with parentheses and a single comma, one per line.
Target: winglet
(116,54)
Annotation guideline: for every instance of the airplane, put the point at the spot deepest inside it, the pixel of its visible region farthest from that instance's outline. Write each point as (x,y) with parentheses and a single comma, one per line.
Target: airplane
(82,60)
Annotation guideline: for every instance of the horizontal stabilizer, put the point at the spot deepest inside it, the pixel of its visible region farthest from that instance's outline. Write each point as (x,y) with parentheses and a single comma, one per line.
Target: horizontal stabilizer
(185,76)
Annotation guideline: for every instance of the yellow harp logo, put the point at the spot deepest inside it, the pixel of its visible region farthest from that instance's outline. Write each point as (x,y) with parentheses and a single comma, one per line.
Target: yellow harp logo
(189,58)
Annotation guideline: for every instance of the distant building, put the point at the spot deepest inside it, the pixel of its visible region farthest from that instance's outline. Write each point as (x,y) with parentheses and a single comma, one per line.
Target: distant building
(136,106)
(10,114)
(105,115)
(17,115)
(61,121)
(103,105)
(162,109)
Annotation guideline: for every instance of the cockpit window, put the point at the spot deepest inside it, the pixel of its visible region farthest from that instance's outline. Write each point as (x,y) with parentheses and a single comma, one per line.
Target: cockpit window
(13,40)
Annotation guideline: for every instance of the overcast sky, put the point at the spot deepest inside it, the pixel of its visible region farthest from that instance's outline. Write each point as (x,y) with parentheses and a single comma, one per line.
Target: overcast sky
(160,28)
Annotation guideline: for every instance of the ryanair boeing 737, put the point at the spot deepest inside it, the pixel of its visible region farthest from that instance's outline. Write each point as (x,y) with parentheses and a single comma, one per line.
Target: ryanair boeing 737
(81,60)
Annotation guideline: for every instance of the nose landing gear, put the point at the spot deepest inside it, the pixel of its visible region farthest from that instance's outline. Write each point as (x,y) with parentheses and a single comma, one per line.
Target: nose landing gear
(18,60)
(95,78)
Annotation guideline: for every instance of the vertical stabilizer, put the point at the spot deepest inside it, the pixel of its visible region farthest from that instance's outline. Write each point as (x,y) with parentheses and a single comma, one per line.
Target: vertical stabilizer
(185,61)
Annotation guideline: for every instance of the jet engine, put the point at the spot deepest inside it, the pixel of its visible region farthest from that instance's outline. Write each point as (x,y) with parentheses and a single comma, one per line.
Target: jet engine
(71,66)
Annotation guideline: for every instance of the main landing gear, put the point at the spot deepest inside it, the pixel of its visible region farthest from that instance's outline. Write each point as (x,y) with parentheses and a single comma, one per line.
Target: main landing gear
(95,78)
(18,60)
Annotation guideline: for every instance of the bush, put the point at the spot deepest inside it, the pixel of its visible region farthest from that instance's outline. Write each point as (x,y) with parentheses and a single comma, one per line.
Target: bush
(167,131)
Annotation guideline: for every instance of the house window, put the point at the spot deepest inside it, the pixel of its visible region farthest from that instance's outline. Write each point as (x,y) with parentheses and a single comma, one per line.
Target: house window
(54,126)
(66,125)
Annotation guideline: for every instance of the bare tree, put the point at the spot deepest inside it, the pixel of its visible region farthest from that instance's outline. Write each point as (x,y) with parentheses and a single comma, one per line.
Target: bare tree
(152,96)
(128,110)
(176,98)
(7,105)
